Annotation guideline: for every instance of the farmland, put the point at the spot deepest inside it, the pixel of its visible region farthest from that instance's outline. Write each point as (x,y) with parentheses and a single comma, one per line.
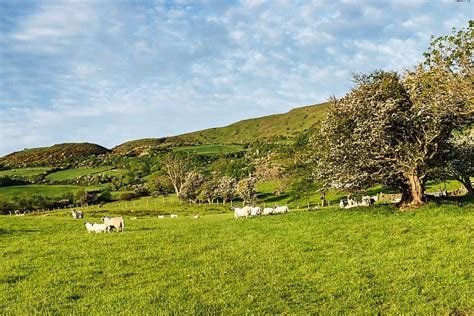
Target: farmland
(210,149)
(364,261)
(7,193)
(24,172)
(75,173)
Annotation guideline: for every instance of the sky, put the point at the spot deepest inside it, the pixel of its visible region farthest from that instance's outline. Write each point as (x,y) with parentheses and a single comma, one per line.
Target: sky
(110,71)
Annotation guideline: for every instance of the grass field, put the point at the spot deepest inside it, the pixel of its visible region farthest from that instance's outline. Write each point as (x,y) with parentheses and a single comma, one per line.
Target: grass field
(7,193)
(210,149)
(75,173)
(363,261)
(24,172)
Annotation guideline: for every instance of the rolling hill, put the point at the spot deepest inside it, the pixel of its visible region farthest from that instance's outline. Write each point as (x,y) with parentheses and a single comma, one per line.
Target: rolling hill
(50,155)
(269,128)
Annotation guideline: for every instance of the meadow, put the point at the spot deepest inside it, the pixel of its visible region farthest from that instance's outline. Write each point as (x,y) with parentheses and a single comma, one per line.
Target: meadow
(69,174)
(359,261)
(8,193)
(210,149)
(24,172)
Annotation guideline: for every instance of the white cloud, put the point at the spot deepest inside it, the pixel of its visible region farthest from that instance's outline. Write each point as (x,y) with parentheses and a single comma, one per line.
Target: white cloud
(111,71)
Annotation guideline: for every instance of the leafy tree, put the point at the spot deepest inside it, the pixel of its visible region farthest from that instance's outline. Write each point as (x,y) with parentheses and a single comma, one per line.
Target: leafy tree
(226,188)
(208,191)
(192,184)
(177,166)
(246,189)
(457,161)
(390,130)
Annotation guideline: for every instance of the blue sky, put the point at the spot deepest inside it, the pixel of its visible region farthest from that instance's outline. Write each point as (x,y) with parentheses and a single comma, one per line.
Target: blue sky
(110,71)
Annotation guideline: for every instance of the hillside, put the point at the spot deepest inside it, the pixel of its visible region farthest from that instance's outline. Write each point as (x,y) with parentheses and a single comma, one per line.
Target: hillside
(51,155)
(268,128)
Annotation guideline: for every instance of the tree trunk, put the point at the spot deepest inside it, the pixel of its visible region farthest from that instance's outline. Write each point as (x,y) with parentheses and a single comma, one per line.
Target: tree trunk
(467,183)
(416,190)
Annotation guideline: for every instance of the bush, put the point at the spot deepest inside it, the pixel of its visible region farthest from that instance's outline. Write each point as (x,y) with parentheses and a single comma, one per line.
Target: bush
(127,196)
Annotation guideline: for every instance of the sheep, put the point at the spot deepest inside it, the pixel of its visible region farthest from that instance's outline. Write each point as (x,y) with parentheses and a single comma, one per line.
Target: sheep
(342,203)
(97,228)
(196,216)
(241,212)
(174,215)
(161,216)
(280,210)
(77,214)
(114,222)
(267,211)
(255,211)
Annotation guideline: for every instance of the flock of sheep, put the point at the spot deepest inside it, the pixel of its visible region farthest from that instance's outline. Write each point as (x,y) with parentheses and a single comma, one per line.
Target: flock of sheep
(251,211)
(350,203)
(108,223)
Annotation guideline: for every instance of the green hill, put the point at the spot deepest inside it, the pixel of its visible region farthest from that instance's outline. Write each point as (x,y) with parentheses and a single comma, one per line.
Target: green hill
(271,128)
(267,128)
(51,155)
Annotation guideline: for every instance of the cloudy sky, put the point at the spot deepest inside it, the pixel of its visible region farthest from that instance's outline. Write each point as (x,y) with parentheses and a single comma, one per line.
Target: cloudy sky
(109,71)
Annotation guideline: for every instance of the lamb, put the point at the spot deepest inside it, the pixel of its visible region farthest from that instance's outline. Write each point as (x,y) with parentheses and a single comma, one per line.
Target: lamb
(97,228)
(241,212)
(114,222)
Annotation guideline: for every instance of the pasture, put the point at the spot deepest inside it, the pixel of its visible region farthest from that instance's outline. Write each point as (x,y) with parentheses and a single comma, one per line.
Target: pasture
(8,193)
(210,149)
(24,172)
(75,173)
(329,261)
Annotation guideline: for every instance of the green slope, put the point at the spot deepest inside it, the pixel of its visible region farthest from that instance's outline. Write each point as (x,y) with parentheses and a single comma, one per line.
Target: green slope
(267,128)
(51,155)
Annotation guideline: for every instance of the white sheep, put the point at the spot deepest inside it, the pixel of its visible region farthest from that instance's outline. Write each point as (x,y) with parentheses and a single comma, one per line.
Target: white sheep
(97,228)
(267,211)
(255,211)
(241,212)
(280,210)
(161,216)
(196,216)
(114,222)
(174,215)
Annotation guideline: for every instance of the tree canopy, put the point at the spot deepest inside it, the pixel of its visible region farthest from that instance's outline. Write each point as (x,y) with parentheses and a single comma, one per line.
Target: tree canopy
(391,129)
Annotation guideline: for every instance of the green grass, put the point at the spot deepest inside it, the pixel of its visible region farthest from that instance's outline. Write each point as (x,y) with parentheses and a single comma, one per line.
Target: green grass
(24,172)
(210,149)
(75,173)
(7,193)
(365,261)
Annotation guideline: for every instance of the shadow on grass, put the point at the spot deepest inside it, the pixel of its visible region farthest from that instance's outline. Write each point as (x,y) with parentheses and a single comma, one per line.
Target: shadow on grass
(16,231)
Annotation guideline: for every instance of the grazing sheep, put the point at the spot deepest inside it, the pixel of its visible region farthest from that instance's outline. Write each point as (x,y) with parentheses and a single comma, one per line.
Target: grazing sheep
(161,216)
(114,222)
(241,212)
(280,210)
(267,211)
(174,215)
(196,216)
(97,228)
(77,214)
(255,211)
(342,203)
